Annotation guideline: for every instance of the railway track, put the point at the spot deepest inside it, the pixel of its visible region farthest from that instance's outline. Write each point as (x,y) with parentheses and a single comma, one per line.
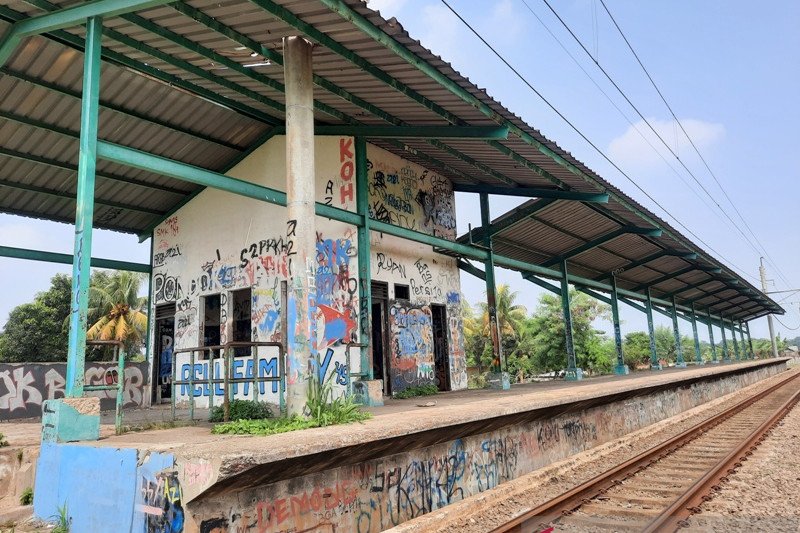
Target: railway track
(660,488)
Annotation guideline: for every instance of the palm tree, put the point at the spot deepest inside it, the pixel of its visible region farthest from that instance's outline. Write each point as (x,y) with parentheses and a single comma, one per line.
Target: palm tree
(117,308)
(510,317)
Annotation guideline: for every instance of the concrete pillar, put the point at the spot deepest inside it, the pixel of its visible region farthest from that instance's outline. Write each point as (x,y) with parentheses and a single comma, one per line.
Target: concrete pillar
(301,233)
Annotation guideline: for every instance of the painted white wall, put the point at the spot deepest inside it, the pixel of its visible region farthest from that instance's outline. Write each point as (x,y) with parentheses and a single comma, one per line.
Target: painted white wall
(219,242)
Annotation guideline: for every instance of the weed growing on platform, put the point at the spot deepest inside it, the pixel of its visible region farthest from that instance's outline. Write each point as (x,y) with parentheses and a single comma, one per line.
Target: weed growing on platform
(323,410)
(3,441)
(422,390)
(241,410)
(62,520)
(26,498)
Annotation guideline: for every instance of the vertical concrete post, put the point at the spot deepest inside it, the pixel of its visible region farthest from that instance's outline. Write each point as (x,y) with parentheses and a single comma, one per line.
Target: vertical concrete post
(726,356)
(711,337)
(679,362)
(84,215)
(364,275)
(698,357)
(573,372)
(621,368)
(648,306)
(750,340)
(499,378)
(301,345)
(733,339)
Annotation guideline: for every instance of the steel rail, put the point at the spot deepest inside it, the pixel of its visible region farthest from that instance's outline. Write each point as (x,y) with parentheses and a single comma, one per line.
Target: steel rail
(537,518)
(674,517)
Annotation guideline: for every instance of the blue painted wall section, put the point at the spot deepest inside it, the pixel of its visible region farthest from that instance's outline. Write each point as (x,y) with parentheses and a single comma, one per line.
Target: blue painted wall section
(107,490)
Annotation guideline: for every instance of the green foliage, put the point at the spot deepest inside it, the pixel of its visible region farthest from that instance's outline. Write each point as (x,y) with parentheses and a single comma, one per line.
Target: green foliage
(26,498)
(636,348)
(116,310)
(422,390)
(477,381)
(62,519)
(323,408)
(38,331)
(241,410)
(3,441)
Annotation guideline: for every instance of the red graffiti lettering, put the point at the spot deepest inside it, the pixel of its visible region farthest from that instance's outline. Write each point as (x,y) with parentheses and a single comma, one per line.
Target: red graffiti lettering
(347,192)
(345,149)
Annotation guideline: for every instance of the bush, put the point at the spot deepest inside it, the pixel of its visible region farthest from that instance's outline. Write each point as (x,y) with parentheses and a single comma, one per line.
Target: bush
(3,441)
(422,390)
(26,498)
(241,410)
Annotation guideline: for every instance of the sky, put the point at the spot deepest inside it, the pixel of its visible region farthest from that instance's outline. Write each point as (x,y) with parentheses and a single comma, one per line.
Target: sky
(729,71)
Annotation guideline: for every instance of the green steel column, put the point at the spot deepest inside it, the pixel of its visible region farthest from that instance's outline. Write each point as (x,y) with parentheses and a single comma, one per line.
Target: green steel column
(750,340)
(711,337)
(573,372)
(147,341)
(87,161)
(498,359)
(743,345)
(364,257)
(648,305)
(679,362)
(621,368)
(698,357)
(733,339)
(726,356)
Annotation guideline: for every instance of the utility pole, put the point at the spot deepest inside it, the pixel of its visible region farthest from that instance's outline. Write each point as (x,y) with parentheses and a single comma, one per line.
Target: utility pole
(769,317)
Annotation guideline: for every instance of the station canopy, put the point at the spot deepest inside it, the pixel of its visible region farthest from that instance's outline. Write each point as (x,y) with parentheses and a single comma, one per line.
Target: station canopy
(201,82)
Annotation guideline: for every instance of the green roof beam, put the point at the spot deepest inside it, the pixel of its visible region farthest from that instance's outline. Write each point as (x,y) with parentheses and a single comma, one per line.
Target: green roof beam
(415,132)
(534,192)
(711,293)
(649,258)
(66,259)
(68,17)
(594,243)
(72,196)
(681,272)
(519,214)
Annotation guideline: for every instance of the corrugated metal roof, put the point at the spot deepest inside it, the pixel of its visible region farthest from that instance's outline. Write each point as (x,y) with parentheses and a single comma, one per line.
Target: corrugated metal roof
(42,82)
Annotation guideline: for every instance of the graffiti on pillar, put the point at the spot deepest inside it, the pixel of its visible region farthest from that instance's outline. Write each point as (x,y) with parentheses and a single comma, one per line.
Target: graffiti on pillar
(160,500)
(24,386)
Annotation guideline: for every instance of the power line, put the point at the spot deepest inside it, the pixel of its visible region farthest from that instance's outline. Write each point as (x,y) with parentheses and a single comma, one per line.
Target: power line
(691,141)
(581,134)
(787,327)
(646,121)
(625,116)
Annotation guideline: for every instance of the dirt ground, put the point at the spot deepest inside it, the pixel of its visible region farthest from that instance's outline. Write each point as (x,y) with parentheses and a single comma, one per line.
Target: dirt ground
(490,509)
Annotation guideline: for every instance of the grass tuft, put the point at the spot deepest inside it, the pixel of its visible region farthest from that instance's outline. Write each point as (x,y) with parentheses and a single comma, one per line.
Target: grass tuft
(62,520)
(26,498)
(241,410)
(412,392)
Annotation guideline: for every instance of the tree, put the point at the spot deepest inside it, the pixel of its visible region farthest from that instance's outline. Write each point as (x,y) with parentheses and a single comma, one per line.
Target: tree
(510,318)
(38,331)
(117,309)
(636,348)
(547,342)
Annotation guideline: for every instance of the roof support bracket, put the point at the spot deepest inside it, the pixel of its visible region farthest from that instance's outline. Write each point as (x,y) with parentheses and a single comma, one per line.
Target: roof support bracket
(532,192)
(594,243)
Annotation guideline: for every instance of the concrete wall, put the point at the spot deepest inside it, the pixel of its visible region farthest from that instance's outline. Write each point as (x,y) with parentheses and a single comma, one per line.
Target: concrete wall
(108,489)
(24,386)
(219,243)
(376,495)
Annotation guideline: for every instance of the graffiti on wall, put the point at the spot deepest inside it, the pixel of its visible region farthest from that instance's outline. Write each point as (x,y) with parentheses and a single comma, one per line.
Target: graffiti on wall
(412,345)
(24,386)
(377,495)
(160,501)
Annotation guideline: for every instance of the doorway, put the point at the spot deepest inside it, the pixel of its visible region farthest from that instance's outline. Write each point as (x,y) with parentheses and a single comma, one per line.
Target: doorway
(380,355)
(212,319)
(165,345)
(441,354)
(242,320)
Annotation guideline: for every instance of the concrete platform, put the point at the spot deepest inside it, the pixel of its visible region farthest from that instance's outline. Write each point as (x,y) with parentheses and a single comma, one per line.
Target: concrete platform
(406,461)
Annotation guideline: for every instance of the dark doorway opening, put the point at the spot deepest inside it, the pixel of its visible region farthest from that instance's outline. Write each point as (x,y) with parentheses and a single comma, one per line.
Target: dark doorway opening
(165,346)
(380,354)
(242,320)
(441,354)
(212,319)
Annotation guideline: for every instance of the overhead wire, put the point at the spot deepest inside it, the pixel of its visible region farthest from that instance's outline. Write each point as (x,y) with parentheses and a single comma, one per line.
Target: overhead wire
(691,141)
(647,122)
(584,137)
(624,115)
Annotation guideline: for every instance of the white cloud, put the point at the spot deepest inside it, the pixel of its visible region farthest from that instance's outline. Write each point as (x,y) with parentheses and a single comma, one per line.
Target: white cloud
(22,235)
(505,23)
(441,33)
(388,8)
(632,151)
